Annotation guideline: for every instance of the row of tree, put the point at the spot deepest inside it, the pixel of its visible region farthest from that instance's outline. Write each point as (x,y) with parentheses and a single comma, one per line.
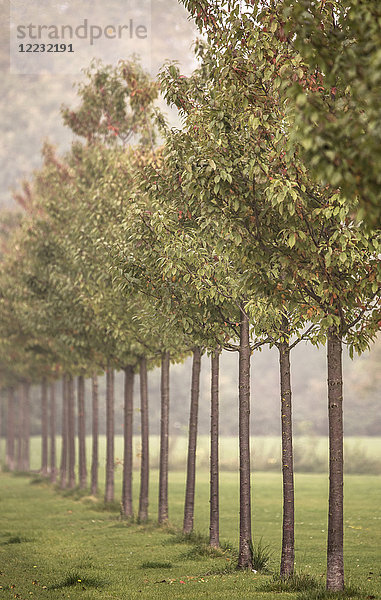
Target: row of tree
(131,255)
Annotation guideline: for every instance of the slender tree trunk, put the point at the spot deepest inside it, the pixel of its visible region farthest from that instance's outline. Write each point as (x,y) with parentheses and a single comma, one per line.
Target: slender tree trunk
(64,444)
(26,429)
(245,557)
(19,427)
(214,529)
(164,439)
(128,433)
(44,428)
(1,430)
(109,487)
(71,431)
(81,433)
(192,443)
(94,458)
(52,423)
(10,449)
(144,464)
(335,557)
(288,549)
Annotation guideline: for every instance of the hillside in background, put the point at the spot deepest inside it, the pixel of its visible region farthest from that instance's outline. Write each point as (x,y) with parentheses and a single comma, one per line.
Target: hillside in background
(30,104)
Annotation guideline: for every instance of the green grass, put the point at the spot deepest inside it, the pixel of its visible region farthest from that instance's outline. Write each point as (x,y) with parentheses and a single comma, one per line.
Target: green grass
(67,548)
(362,454)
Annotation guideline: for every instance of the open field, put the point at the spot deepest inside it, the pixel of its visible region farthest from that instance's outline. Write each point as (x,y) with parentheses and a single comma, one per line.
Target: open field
(362,454)
(49,541)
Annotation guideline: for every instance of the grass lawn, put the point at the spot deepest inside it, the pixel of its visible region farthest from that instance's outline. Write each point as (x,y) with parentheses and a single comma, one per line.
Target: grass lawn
(362,454)
(53,546)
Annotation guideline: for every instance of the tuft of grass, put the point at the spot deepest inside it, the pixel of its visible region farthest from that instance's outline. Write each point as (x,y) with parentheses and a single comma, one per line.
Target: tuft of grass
(76,493)
(20,473)
(202,550)
(200,545)
(16,539)
(75,578)
(152,564)
(307,588)
(299,582)
(227,568)
(39,480)
(261,556)
(113,506)
(186,538)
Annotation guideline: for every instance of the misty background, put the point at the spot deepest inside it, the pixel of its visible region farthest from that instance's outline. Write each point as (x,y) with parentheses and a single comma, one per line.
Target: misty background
(30,109)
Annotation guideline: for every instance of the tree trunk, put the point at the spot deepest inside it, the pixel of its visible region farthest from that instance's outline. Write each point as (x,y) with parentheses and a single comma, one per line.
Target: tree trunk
(10,449)
(19,426)
(335,557)
(81,433)
(288,549)
(144,465)
(214,530)
(44,428)
(53,465)
(64,444)
(1,430)
(128,433)
(192,443)
(71,432)
(26,429)
(164,439)
(245,557)
(94,457)
(109,487)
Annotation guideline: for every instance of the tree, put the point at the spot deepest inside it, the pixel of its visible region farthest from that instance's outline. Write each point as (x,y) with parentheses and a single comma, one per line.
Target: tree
(243,117)
(52,427)
(164,439)
(214,533)
(44,428)
(94,454)
(337,111)
(81,433)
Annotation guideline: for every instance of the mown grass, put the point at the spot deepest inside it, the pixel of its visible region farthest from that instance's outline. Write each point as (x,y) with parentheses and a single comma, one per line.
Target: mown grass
(362,454)
(68,548)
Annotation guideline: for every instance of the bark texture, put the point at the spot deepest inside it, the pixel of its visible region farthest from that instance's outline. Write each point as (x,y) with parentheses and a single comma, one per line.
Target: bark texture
(192,443)
(26,428)
(144,464)
(71,431)
(245,556)
(10,444)
(19,427)
(94,452)
(288,548)
(44,428)
(110,401)
(64,443)
(127,506)
(52,425)
(335,557)
(214,531)
(81,433)
(164,439)
(1,431)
